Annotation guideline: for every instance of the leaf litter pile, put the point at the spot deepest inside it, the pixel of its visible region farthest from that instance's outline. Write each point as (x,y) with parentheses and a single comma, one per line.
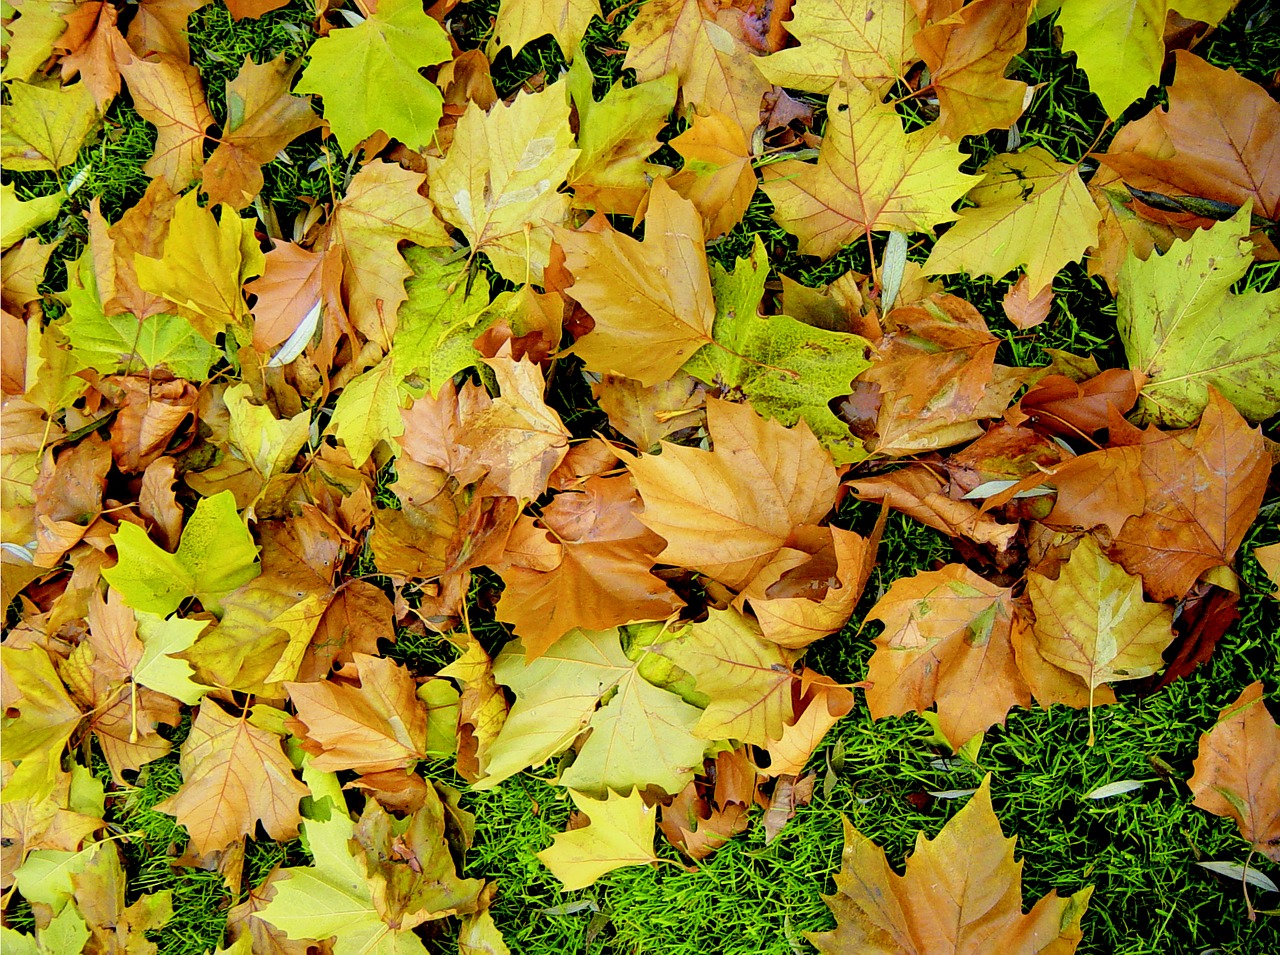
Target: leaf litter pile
(518,381)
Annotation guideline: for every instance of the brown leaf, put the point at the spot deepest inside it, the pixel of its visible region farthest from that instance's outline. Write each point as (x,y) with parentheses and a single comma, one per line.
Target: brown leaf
(23,268)
(482,708)
(160,26)
(646,415)
(373,727)
(946,640)
(789,793)
(1101,487)
(252,9)
(651,300)
(94,49)
(717,176)
(1219,139)
(1203,491)
(167,93)
(919,492)
(600,577)
(1058,405)
(157,503)
(727,512)
(150,413)
(69,497)
(967,54)
(1022,308)
(262,118)
(1237,770)
(819,703)
(358,616)
(142,230)
(234,775)
(699,825)
(961,892)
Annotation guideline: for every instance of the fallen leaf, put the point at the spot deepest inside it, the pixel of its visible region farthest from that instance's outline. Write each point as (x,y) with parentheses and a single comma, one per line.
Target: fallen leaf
(1237,770)
(620,834)
(962,892)
(166,92)
(521,21)
(1024,310)
(717,176)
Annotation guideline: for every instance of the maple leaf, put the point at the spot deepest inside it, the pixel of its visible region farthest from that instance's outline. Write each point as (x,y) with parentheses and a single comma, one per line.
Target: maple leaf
(39,719)
(166,93)
(616,136)
(786,369)
(1120,46)
(23,216)
(94,48)
(717,176)
(499,182)
(1093,622)
(262,118)
(204,264)
(699,826)
(642,735)
(235,774)
(587,566)
(216,555)
(288,303)
(967,54)
(946,640)
(651,300)
(620,833)
(962,893)
(919,492)
(715,68)
(1031,211)
(521,21)
(747,678)
(818,703)
(386,51)
(727,511)
(45,128)
(873,42)
(870,176)
(266,444)
(376,726)
(1237,770)
(382,207)
(1185,332)
(1218,138)
(1200,500)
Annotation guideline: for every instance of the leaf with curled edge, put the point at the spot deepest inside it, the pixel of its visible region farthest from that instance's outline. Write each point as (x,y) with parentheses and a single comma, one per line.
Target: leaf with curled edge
(1237,770)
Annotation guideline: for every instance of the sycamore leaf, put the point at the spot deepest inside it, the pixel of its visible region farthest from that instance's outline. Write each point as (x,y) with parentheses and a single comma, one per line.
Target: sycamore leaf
(1093,622)
(167,93)
(727,511)
(39,718)
(521,21)
(383,206)
(1185,332)
(1120,46)
(376,726)
(616,136)
(600,576)
(1029,210)
(651,300)
(385,52)
(620,833)
(946,641)
(262,118)
(717,176)
(158,668)
(967,55)
(368,411)
(31,38)
(715,68)
(747,677)
(786,369)
(234,775)
(499,183)
(961,893)
(215,556)
(1237,770)
(23,216)
(1218,139)
(45,128)
(870,176)
(267,444)
(641,735)
(872,41)
(204,264)
(1200,501)
(442,316)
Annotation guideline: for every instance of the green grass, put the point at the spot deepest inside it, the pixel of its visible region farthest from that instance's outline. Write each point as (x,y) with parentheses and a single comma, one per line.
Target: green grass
(1138,849)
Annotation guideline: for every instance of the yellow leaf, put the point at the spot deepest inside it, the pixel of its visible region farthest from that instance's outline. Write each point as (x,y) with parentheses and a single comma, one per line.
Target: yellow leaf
(620,833)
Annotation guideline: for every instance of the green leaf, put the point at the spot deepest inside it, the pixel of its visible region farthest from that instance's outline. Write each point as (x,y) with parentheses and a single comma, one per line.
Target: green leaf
(786,369)
(45,127)
(157,667)
(439,321)
(368,411)
(368,76)
(1183,329)
(215,556)
(116,343)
